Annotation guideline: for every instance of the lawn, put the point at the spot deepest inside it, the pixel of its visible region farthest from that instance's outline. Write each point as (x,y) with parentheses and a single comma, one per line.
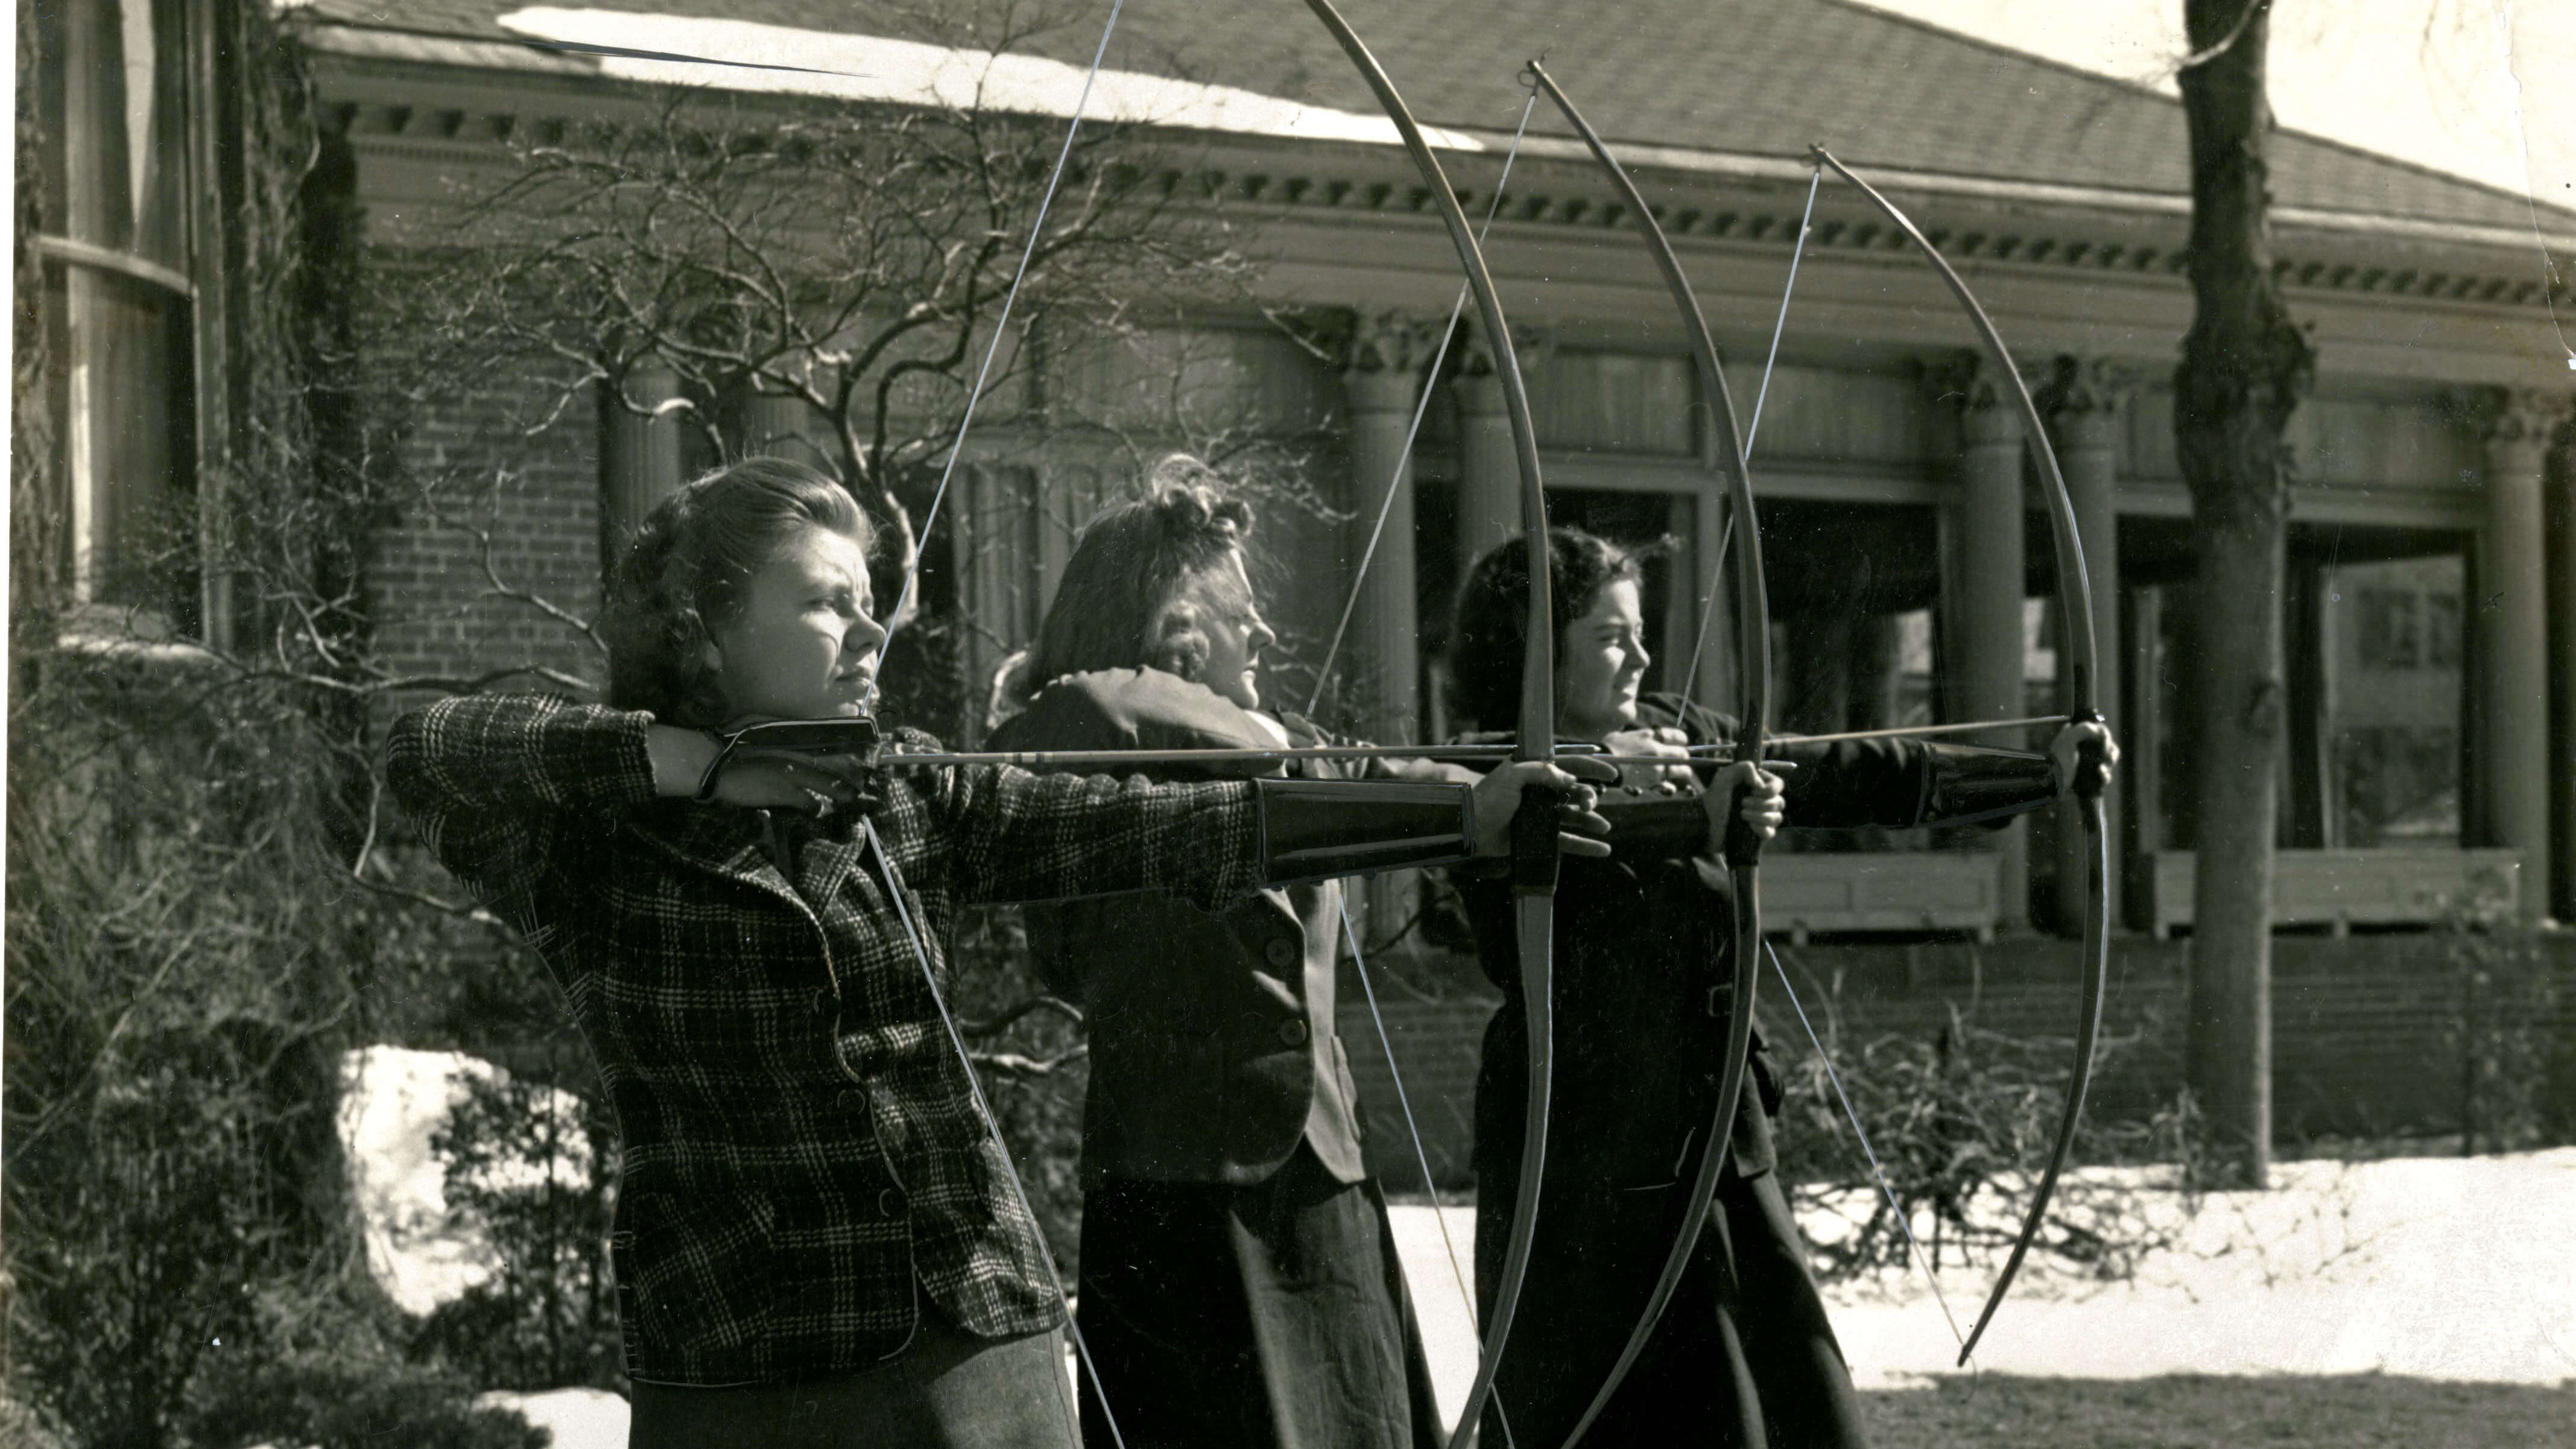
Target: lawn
(2193,1411)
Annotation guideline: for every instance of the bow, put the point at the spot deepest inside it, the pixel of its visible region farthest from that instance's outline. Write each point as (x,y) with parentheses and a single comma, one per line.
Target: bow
(1534,840)
(1534,850)
(2075,604)
(1742,848)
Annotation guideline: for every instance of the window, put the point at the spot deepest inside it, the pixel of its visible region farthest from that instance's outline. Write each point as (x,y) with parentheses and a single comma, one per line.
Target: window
(2373,726)
(2390,633)
(2391,724)
(2442,629)
(120,384)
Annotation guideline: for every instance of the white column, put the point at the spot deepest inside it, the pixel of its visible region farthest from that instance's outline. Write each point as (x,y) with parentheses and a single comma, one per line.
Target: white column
(1382,385)
(2511,611)
(2562,672)
(1984,608)
(1489,472)
(640,457)
(2083,405)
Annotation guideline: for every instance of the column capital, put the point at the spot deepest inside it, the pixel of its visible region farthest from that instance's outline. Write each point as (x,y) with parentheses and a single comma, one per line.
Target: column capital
(1383,356)
(1389,341)
(1478,381)
(2083,398)
(2512,420)
(1968,381)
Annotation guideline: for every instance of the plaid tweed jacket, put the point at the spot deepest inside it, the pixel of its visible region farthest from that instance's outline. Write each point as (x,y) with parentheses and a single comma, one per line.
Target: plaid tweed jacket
(800,1148)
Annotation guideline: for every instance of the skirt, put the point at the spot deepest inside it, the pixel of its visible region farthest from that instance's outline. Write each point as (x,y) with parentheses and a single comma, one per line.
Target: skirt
(947,1390)
(1272,1316)
(1744,1356)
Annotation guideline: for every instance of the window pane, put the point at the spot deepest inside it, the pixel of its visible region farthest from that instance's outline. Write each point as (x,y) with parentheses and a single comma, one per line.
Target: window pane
(110,98)
(124,442)
(2393,720)
(1852,588)
(2039,624)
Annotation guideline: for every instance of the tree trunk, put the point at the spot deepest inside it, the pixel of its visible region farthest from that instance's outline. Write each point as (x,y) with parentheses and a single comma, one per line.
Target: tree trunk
(2244,367)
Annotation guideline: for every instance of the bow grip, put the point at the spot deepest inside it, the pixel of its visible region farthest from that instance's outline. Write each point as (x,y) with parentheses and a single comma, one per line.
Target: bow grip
(1739,847)
(2092,766)
(1534,830)
(854,737)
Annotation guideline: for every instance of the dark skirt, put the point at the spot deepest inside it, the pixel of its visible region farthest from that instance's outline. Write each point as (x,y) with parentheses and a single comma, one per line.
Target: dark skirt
(1744,1355)
(1244,1317)
(948,1389)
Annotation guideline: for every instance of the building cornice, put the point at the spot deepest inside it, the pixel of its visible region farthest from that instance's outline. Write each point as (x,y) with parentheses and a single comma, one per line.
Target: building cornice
(458,101)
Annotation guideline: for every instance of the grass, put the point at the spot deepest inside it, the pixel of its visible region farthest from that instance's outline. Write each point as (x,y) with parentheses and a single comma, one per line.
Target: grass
(2191,1411)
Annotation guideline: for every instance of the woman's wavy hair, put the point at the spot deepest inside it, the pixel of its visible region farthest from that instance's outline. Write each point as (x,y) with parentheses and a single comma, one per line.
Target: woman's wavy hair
(683,578)
(1118,606)
(1490,625)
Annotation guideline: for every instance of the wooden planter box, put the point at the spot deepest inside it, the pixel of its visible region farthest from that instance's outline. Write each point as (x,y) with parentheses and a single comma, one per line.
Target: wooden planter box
(2344,888)
(1897,891)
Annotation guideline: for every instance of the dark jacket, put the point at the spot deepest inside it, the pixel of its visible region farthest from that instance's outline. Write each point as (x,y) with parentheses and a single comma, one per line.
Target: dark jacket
(1644,963)
(1213,1051)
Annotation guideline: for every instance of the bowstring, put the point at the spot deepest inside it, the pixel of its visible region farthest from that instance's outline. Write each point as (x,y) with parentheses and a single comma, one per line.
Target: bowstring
(1404,455)
(895,889)
(1439,1212)
(1752,430)
(911,579)
(1914,1248)
(1699,647)
(983,373)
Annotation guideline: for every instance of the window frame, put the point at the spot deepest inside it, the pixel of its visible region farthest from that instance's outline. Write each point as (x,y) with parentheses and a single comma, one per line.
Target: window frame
(187,46)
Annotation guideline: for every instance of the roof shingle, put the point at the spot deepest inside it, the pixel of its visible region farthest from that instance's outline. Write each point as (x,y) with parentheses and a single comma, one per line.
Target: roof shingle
(1748,77)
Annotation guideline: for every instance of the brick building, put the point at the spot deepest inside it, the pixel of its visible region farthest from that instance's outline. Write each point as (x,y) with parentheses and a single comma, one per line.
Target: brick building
(2431,746)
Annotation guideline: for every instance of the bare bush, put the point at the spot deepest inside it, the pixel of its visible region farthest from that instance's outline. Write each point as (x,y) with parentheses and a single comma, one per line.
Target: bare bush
(1958,1122)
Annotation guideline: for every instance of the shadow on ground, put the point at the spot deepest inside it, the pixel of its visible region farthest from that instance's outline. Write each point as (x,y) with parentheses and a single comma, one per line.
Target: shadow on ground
(2192,1411)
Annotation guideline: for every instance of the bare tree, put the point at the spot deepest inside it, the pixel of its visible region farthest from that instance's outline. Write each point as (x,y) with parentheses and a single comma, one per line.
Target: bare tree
(207,881)
(827,279)
(2245,366)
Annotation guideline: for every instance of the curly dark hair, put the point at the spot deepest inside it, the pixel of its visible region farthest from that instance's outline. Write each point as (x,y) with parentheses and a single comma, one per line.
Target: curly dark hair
(1489,627)
(1117,606)
(683,576)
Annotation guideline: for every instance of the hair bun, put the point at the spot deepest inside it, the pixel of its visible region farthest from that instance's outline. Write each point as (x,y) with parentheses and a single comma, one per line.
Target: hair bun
(1189,499)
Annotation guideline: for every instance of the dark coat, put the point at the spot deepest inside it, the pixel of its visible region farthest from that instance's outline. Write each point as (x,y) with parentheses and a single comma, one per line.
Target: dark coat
(1644,963)
(1213,1051)
(1240,1286)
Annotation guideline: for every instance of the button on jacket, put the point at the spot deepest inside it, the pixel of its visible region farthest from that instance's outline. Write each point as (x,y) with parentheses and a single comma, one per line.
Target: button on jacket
(799,1144)
(1213,1052)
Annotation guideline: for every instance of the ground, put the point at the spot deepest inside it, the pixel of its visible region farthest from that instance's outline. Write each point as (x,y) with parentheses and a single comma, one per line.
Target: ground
(2194,1411)
(2414,1301)
(2426,1301)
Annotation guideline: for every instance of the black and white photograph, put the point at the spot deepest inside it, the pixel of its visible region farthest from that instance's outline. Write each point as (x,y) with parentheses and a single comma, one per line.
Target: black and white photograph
(1291,724)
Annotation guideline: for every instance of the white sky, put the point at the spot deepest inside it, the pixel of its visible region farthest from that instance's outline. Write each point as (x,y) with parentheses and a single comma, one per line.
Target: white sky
(2484,89)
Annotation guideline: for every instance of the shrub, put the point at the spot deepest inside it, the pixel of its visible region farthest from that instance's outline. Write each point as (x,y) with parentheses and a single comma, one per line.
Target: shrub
(332,1375)
(2506,1026)
(1029,1048)
(1960,1123)
(534,1167)
(186,960)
